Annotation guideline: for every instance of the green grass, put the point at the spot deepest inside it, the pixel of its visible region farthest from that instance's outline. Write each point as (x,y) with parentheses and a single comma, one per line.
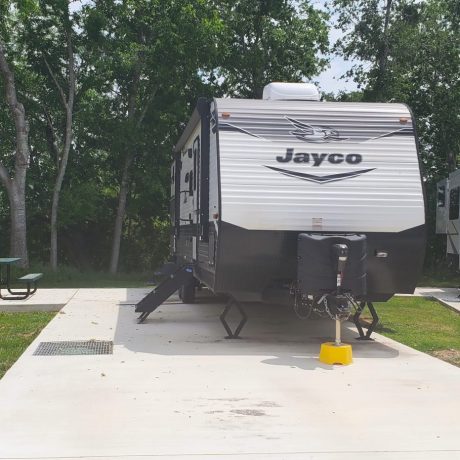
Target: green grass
(423,324)
(439,280)
(17,331)
(69,277)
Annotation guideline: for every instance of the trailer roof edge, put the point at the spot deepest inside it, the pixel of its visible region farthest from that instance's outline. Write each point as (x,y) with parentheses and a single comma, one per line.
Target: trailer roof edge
(194,119)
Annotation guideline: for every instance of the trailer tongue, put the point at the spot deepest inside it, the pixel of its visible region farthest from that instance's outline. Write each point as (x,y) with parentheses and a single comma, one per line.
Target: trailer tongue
(332,279)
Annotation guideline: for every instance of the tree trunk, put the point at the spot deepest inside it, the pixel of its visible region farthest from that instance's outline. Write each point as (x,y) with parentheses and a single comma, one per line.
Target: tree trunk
(18,235)
(16,184)
(121,210)
(54,231)
(383,59)
(451,160)
(136,116)
(124,185)
(68,104)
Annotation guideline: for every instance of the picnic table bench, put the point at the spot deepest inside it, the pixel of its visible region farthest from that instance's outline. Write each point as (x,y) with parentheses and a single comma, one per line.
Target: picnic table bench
(30,280)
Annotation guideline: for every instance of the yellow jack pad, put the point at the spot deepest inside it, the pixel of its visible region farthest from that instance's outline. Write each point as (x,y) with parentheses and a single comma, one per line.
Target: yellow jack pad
(335,354)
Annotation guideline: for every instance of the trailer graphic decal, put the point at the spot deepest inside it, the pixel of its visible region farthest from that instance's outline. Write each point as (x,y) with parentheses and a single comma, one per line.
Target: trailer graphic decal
(313,131)
(320,179)
(318,158)
(315,134)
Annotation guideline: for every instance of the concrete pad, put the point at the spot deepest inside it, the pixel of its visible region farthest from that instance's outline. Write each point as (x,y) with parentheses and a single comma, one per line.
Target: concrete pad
(449,297)
(175,388)
(42,300)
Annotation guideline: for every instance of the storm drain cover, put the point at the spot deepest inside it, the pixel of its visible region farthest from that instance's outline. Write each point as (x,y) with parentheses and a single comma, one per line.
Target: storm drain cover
(88,347)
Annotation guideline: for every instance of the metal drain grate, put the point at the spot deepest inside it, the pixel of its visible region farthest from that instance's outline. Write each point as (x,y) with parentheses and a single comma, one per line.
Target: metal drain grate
(88,347)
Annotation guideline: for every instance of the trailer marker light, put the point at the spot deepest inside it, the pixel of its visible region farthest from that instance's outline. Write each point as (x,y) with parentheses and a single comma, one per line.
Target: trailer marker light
(403,120)
(225,115)
(381,254)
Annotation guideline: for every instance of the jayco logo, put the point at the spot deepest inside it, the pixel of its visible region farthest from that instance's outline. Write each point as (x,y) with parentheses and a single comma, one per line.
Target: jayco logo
(318,158)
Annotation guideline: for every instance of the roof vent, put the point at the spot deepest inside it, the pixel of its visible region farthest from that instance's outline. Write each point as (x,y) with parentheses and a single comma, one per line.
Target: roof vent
(291,92)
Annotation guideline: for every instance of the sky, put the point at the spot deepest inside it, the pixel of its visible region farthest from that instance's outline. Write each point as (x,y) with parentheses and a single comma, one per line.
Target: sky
(329,80)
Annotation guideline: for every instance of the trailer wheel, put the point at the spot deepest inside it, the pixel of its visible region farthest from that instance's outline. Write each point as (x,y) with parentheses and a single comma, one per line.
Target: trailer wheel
(187,292)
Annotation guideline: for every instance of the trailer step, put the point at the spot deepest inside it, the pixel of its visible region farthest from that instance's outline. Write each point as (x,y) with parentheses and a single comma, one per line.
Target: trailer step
(163,291)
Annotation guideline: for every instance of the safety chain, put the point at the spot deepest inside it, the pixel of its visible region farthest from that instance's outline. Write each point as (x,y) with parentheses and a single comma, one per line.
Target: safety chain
(305,305)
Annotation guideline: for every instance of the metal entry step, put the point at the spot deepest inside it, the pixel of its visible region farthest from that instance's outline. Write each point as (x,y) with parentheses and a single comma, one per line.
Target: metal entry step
(176,279)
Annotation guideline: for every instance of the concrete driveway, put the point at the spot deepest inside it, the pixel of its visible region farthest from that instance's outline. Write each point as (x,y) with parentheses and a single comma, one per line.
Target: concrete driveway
(174,388)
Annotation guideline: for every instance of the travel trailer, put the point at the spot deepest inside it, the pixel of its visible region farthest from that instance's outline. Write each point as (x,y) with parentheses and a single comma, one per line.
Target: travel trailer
(448,214)
(292,200)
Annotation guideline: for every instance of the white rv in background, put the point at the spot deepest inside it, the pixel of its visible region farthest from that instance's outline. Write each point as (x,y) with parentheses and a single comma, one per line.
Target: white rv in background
(267,194)
(448,213)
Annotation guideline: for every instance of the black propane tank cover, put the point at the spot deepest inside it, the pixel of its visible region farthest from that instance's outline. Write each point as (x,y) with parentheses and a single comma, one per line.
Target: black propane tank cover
(317,263)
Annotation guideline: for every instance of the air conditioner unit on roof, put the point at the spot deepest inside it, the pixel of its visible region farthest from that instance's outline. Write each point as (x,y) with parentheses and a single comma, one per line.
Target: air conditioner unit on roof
(291,91)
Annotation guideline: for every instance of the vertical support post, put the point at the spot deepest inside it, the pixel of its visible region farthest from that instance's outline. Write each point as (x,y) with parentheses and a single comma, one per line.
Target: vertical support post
(338,338)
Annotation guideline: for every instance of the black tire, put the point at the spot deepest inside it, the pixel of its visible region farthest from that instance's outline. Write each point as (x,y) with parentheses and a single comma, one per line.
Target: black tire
(187,292)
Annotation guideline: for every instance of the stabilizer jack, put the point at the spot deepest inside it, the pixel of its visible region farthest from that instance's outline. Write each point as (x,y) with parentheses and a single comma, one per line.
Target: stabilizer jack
(233,302)
(371,327)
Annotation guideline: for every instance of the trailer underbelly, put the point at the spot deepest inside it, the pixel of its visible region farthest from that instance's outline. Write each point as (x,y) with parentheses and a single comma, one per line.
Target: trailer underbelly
(255,261)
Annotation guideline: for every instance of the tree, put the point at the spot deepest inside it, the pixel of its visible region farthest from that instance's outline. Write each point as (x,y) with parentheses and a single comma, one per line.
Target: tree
(44,34)
(409,51)
(15,182)
(56,28)
(108,89)
(368,38)
(149,47)
(268,40)
(67,99)
(428,80)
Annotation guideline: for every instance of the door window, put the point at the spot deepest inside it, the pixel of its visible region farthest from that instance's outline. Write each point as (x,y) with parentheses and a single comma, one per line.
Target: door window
(454,203)
(441,196)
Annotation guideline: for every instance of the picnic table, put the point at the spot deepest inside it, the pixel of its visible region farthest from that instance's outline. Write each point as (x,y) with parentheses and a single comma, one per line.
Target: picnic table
(30,280)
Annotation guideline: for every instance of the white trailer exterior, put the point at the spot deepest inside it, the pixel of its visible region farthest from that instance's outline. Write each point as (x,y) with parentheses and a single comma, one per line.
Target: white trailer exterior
(250,175)
(448,213)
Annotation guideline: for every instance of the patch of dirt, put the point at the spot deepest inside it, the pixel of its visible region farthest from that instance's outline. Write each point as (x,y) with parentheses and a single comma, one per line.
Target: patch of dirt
(26,335)
(268,404)
(253,412)
(450,355)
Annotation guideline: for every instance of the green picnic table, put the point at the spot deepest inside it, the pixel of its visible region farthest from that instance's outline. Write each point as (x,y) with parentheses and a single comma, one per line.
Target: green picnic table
(30,280)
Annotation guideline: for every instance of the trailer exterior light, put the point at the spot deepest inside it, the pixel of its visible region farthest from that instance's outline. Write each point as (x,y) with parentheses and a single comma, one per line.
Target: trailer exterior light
(381,254)
(403,120)
(225,115)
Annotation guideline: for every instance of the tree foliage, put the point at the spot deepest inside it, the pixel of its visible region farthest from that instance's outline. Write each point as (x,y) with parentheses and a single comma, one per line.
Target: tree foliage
(419,43)
(139,66)
(271,40)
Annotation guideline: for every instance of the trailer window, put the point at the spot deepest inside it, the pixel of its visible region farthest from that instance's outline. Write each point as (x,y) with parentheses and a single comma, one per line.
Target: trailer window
(190,183)
(196,158)
(172,211)
(441,196)
(454,203)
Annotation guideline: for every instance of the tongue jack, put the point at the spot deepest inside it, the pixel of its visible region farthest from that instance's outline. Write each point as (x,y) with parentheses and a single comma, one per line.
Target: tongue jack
(341,252)
(337,352)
